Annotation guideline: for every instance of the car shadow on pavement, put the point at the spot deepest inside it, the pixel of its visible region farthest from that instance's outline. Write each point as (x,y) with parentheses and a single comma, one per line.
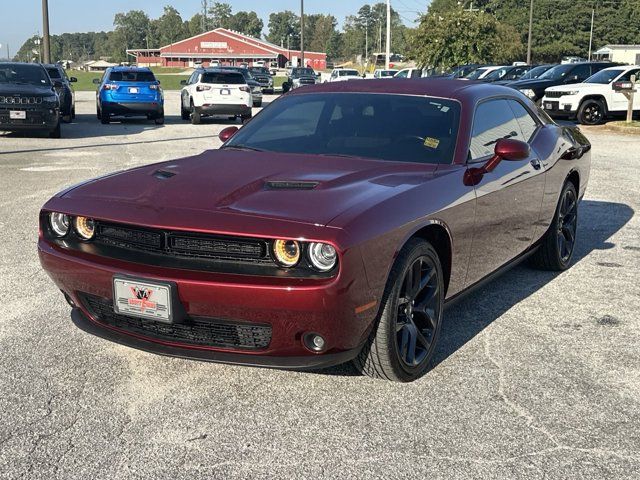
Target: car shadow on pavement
(598,222)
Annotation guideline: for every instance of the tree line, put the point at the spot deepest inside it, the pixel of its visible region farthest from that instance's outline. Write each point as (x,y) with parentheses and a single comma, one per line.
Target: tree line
(363,32)
(451,32)
(496,31)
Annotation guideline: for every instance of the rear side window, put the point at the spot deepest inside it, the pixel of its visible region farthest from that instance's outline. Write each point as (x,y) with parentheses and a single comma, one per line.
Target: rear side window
(527,124)
(493,120)
(582,72)
(627,76)
(223,78)
(132,77)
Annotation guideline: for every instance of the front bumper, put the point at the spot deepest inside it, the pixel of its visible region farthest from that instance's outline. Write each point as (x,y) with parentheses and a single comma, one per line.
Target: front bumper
(132,108)
(38,118)
(558,108)
(222,109)
(290,308)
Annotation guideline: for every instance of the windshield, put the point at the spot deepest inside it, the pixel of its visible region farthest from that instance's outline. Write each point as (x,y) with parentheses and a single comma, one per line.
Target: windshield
(497,74)
(54,73)
(132,77)
(535,72)
(388,73)
(398,128)
(557,72)
(25,74)
(259,70)
(230,78)
(605,76)
(348,73)
(303,71)
(476,74)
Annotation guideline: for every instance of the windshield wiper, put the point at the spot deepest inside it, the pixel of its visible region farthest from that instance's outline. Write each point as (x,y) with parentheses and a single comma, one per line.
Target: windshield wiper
(243,147)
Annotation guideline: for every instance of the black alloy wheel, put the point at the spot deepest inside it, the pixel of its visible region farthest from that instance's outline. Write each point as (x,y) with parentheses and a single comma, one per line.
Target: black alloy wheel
(556,248)
(417,309)
(567,224)
(591,112)
(406,329)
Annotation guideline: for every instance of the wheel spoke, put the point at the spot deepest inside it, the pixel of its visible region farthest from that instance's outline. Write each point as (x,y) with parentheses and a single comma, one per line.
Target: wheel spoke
(412,333)
(568,234)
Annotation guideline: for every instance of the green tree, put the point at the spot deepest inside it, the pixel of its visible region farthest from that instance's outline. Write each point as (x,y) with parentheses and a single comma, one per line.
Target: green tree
(131,31)
(219,14)
(246,22)
(322,34)
(170,26)
(457,36)
(283,25)
(194,25)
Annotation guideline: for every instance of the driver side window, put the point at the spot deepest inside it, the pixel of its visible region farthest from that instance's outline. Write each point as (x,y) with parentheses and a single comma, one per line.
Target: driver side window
(493,120)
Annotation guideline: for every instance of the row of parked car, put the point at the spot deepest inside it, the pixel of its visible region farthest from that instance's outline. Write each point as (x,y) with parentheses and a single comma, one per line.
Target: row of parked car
(36,96)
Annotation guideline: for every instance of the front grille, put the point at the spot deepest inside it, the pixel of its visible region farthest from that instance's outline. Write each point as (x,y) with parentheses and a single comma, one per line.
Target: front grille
(554,94)
(193,331)
(20,100)
(180,244)
(307,81)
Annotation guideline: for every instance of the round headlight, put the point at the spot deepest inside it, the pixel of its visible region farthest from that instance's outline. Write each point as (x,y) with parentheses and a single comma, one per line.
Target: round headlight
(323,256)
(59,223)
(85,227)
(287,252)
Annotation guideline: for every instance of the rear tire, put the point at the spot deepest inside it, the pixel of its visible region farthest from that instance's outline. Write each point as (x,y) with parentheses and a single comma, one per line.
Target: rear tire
(257,104)
(99,113)
(67,118)
(105,119)
(245,118)
(591,112)
(159,119)
(558,244)
(404,338)
(184,114)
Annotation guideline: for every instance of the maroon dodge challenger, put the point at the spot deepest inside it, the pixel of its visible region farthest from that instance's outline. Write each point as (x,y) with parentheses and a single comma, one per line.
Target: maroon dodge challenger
(333,227)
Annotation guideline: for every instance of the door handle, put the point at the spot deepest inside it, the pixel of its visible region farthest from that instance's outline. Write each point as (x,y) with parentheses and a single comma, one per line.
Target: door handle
(536,164)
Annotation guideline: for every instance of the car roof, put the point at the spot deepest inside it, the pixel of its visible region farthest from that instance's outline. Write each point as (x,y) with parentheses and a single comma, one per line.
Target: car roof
(618,67)
(130,69)
(456,89)
(36,65)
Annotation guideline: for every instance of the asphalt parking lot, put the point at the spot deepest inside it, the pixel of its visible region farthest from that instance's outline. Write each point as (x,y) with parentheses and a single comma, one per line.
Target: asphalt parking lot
(537,374)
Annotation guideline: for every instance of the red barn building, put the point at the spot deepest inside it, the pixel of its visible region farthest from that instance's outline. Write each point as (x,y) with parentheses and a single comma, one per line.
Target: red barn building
(224,47)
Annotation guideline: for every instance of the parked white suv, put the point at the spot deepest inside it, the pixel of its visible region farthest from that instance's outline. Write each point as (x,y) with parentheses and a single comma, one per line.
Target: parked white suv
(593,100)
(215,91)
(344,74)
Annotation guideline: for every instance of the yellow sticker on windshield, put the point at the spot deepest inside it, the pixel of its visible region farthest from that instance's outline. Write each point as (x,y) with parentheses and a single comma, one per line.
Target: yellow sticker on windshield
(431,142)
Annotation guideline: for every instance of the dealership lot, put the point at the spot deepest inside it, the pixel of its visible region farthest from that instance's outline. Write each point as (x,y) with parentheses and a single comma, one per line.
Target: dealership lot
(537,374)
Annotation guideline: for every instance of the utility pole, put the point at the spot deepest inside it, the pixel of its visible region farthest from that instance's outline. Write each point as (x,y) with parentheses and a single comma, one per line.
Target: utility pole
(388,57)
(593,14)
(302,33)
(530,32)
(46,41)
(205,8)
(366,43)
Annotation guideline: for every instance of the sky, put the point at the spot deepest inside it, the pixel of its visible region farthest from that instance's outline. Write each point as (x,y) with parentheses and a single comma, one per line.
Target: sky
(20,19)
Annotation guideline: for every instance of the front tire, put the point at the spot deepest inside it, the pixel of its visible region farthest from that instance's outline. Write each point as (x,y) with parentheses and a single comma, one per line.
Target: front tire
(56,132)
(557,245)
(402,342)
(591,112)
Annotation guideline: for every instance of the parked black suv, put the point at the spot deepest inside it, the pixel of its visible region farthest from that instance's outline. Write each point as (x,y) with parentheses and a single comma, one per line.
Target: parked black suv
(28,99)
(563,74)
(263,77)
(62,84)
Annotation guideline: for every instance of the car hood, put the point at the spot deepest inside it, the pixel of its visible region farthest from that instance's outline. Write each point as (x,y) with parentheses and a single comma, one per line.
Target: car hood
(577,86)
(26,90)
(295,187)
(534,84)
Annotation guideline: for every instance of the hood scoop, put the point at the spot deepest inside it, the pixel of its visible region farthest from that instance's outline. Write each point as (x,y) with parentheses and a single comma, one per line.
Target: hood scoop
(163,174)
(290,185)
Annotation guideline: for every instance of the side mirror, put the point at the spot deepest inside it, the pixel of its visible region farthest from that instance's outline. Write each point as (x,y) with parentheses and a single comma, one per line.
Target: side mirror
(183,82)
(96,81)
(505,149)
(73,80)
(227,133)
(158,82)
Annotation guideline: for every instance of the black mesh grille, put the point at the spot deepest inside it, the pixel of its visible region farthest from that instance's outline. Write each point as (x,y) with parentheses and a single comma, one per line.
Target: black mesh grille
(193,331)
(553,94)
(182,244)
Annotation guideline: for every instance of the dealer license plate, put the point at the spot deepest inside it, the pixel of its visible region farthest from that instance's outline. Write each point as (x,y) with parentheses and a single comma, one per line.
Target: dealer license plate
(548,106)
(140,298)
(17,115)
(225,91)
(134,90)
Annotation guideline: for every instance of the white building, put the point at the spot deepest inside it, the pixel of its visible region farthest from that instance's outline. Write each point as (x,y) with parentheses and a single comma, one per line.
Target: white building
(629,54)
